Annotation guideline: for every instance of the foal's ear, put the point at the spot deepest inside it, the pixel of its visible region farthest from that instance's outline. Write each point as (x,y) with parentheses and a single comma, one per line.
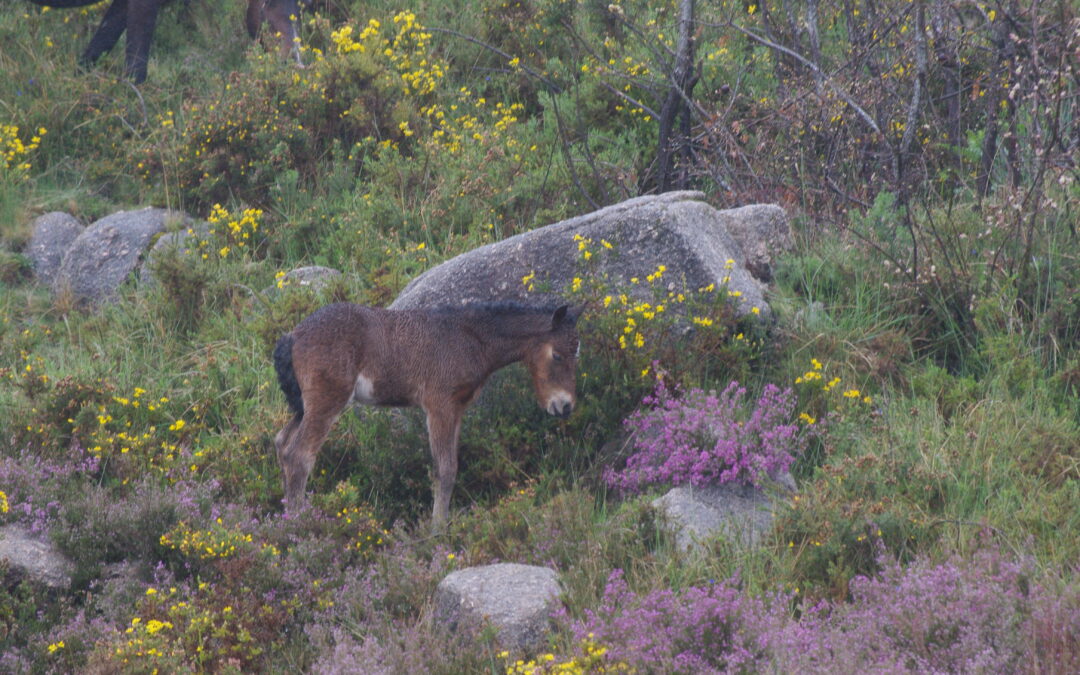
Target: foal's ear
(565,315)
(559,316)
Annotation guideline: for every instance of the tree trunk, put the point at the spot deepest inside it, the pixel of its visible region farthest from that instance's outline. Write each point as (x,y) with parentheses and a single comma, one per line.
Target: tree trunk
(678,103)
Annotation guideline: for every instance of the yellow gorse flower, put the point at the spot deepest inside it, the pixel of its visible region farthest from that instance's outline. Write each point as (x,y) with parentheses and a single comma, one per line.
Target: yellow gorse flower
(14,151)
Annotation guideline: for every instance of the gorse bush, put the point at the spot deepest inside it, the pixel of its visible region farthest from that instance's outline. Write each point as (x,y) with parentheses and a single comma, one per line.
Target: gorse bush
(592,659)
(704,438)
(15,151)
(653,318)
(367,89)
(194,627)
(652,321)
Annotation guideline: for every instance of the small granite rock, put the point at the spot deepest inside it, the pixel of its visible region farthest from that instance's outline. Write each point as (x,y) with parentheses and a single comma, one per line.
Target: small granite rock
(515,599)
(313,276)
(741,514)
(185,240)
(762,231)
(38,560)
(108,251)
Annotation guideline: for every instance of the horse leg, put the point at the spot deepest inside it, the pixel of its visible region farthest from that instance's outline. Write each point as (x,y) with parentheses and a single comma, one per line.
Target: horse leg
(108,32)
(280,15)
(142,17)
(302,446)
(299,456)
(285,436)
(443,430)
(253,17)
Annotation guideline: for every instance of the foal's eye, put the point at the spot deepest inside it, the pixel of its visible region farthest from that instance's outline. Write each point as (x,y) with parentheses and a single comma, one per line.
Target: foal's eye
(556,357)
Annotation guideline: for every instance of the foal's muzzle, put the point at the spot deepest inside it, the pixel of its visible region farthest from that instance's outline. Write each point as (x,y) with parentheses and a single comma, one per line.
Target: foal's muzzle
(561,405)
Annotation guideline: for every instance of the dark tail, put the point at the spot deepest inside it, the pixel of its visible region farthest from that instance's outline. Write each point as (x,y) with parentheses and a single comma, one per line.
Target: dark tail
(286,375)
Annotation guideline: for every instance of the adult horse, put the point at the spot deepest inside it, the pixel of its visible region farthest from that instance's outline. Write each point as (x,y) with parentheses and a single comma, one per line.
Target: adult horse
(437,359)
(139,17)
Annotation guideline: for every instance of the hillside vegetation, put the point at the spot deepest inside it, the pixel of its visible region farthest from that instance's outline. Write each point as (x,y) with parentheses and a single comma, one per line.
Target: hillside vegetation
(925,355)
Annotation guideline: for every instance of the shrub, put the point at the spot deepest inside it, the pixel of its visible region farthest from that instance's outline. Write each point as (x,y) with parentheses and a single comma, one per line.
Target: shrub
(33,486)
(708,439)
(95,527)
(197,627)
(988,613)
(708,629)
(373,623)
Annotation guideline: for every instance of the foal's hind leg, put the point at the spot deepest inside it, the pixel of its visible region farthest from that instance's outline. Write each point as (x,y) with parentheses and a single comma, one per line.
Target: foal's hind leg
(298,456)
(285,437)
(142,17)
(110,29)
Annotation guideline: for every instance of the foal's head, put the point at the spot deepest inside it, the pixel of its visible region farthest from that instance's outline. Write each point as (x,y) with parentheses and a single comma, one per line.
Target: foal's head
(552,362)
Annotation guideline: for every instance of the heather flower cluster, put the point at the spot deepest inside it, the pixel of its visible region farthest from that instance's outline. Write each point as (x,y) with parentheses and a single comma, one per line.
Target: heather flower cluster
(27,480)
(985,614)
(707,629)
(703,438)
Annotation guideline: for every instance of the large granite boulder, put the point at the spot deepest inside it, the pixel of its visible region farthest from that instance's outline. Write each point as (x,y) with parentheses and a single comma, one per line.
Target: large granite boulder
(51,235)
(678,230)
(762,230)
(108,251)
(35,559)
(515,599)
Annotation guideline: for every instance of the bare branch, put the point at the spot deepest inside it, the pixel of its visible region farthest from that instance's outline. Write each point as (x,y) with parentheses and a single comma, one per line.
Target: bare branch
(551,85)
(846,97)
(629,99)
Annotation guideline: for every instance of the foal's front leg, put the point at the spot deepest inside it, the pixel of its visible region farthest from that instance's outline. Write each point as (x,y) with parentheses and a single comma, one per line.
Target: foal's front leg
(443,428)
